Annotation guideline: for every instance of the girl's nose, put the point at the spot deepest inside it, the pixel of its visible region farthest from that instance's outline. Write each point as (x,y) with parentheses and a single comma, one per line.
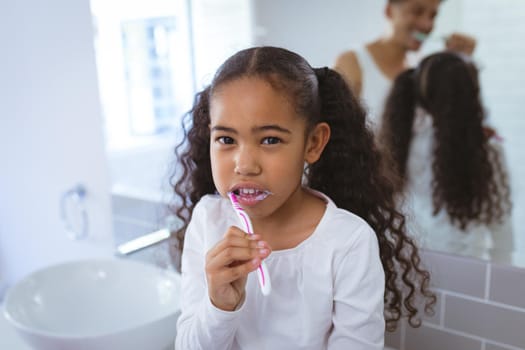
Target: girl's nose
(246,162)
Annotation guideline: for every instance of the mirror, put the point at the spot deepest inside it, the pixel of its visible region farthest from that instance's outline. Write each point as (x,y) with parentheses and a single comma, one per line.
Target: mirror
(320,31)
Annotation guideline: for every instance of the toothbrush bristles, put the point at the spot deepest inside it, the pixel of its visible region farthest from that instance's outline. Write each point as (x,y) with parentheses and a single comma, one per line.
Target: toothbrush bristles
(235,201)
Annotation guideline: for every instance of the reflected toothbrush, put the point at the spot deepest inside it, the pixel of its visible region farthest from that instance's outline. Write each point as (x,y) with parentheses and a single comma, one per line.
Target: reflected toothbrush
(421,37)
(262,270)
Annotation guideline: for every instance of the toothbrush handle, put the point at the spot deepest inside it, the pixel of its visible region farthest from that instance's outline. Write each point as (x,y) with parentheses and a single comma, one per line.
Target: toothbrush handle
(264,279)
(262,271)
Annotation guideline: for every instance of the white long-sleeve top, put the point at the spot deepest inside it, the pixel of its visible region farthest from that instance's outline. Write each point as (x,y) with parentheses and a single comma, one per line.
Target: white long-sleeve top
(327,292)
(436,231)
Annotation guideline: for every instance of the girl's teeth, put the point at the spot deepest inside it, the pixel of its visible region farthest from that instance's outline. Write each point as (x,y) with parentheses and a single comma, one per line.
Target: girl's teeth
(252,193)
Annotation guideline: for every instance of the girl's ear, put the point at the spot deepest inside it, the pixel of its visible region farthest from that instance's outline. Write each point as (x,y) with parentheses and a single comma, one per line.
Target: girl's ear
(316,142)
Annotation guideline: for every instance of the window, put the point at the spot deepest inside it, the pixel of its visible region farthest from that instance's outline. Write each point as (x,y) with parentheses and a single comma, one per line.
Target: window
(154,55)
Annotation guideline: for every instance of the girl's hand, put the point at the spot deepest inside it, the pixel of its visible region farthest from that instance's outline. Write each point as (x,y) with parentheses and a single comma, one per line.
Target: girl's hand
(461,43)
(228,264)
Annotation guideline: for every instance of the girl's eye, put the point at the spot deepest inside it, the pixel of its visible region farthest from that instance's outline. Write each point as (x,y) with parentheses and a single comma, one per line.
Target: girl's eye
(226,140)
(271,140)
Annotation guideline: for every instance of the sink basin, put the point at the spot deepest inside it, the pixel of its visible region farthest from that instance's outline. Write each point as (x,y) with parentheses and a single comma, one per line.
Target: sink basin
(96,304)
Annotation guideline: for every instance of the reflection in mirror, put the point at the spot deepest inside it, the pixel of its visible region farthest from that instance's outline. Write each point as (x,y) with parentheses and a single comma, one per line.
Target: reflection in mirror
(343,25)
(198,34)
(451,167)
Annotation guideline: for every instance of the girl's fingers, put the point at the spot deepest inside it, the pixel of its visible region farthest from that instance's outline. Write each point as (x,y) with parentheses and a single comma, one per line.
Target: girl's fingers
(231,274)
(232,256)
(235,237)
(228,264)
(461,42)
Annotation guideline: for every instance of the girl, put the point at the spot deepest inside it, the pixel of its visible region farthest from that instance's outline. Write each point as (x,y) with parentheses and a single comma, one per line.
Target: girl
(449,164)
(371,69)
(291,142)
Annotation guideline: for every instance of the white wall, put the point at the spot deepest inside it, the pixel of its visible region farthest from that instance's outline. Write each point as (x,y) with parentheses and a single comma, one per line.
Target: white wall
(50,133)
(317,30)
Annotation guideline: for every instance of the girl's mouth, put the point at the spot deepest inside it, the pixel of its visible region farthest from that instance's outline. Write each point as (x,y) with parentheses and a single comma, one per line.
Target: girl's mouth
(250,196)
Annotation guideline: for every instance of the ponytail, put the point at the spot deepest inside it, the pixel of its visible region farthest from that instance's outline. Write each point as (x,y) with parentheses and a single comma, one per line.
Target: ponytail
(395,134)
(353,173)
(346,118)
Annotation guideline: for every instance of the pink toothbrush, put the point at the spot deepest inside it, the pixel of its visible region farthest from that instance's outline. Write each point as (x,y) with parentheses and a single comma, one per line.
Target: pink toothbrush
(262,271)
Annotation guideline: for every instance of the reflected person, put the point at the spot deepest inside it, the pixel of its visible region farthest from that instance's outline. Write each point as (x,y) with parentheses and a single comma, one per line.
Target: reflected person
(451,166)
(369,70)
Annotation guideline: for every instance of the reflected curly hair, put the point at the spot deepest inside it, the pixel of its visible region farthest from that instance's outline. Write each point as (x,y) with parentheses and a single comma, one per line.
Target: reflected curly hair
(469,182)
(350,170)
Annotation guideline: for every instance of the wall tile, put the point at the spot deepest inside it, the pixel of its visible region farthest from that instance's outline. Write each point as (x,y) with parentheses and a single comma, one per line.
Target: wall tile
(393,339)
(124,231)
(491,322)
(428,338)
(507,285)
(436,318)
(138,209)
(506,258)
(454,273)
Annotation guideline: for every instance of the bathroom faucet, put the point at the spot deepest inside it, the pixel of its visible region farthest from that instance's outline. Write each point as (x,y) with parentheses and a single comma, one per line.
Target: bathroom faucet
(144,241)
(149,239)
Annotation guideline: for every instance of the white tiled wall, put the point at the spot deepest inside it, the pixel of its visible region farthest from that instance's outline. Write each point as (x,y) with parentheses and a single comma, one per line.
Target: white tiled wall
(480,307)
(135,217)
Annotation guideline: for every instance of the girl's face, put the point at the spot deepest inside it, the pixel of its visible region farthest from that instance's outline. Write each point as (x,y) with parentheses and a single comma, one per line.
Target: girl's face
(258,145)
(409,17)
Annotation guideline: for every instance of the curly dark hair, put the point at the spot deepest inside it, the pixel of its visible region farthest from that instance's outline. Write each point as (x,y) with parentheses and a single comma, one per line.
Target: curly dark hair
(350,170)
(469,182)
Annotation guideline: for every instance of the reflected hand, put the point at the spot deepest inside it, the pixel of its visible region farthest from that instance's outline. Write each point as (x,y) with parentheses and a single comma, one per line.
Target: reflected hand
(461,43)
(228,264)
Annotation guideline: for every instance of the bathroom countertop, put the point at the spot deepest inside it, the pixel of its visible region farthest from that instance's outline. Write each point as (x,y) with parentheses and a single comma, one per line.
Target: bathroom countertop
(9,339)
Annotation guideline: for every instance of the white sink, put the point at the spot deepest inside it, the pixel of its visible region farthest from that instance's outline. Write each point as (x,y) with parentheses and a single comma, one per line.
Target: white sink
(96,305)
